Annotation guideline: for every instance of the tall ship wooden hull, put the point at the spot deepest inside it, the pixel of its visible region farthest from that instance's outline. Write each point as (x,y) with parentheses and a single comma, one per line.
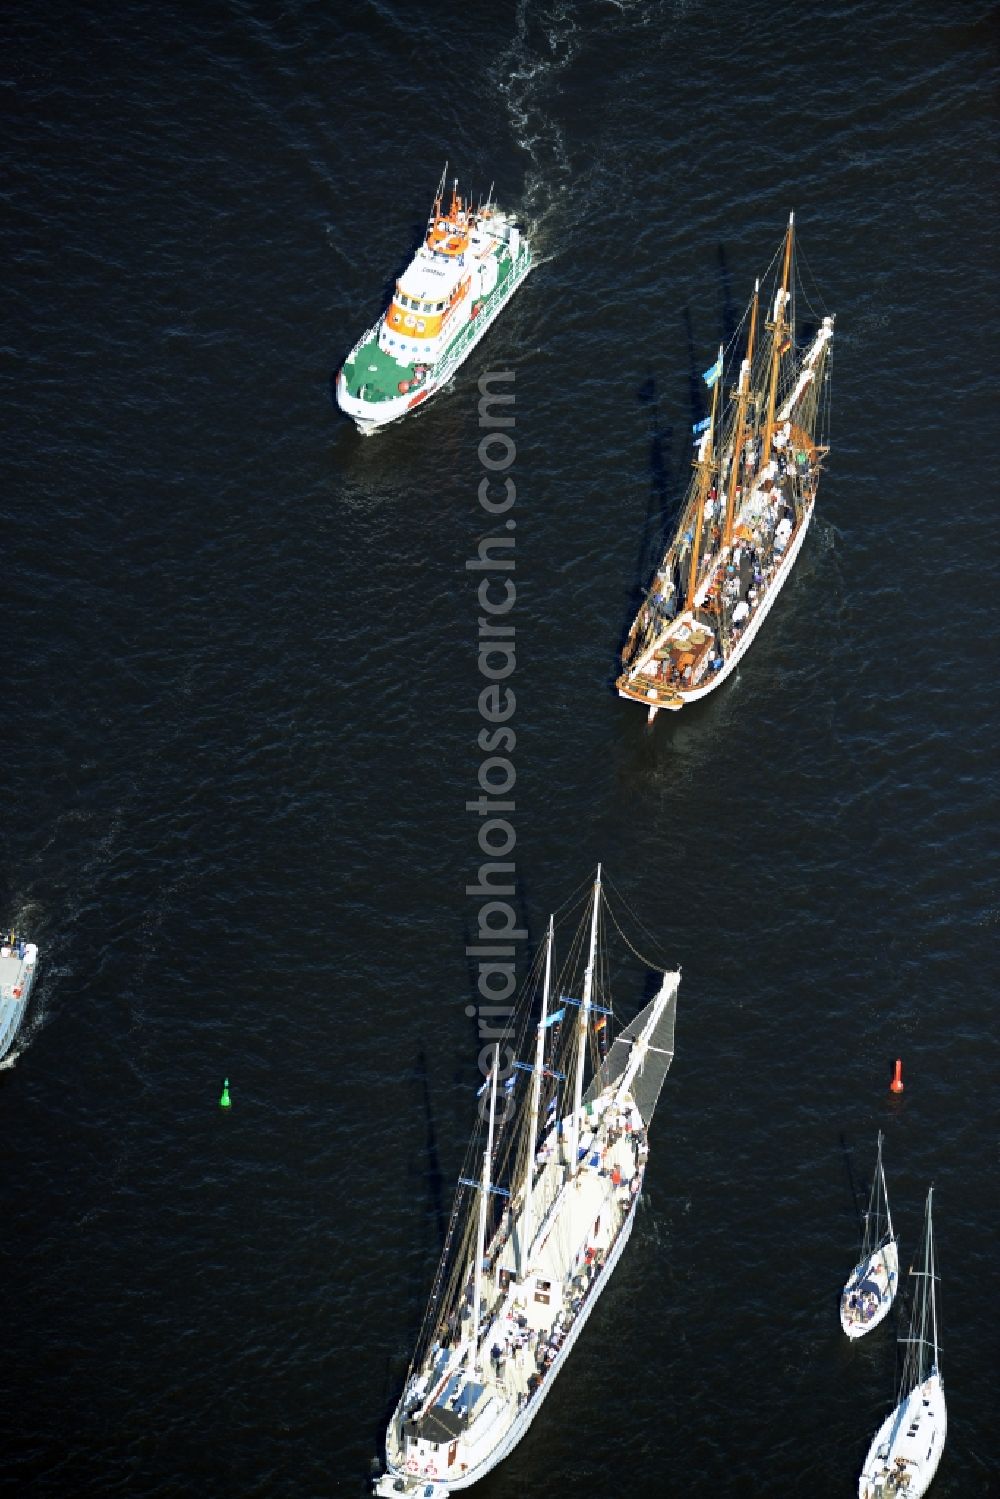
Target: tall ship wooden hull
(17,976)
(469,266)
(514,1293)
(746,512)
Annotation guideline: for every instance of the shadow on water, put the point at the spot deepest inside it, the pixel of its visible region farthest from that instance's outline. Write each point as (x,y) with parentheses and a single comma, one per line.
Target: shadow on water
(659,509)
(852,1182)
(427,1169)
(432,1173)
(730,312)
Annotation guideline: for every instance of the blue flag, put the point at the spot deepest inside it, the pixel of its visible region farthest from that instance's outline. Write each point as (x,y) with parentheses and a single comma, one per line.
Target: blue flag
(700,426)
(554,1018)
(710,376)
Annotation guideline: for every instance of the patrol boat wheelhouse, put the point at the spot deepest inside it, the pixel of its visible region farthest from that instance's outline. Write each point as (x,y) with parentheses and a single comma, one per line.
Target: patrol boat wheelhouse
(17,975)
(467,269)
(544,1208)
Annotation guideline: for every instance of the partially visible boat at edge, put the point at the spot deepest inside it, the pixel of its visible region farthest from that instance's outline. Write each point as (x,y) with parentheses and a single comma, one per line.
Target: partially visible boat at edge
(872,1284)
(465,272)
(17,976)
(747,509)
(543,1211)
(904,1456)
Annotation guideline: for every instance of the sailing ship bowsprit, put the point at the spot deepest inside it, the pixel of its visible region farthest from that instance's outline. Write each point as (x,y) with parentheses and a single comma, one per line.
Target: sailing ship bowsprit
(747,508)
(543,1211)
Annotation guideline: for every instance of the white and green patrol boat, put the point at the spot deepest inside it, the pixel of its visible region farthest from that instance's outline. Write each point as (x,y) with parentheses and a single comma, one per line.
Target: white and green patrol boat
(467,269)
(17,975)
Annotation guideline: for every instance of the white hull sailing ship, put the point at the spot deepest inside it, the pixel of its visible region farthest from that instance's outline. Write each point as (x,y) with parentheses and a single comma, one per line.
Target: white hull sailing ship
(469,266)
(17,976)
(905,1454)
(535,1235)
(872,1284)
(746,512)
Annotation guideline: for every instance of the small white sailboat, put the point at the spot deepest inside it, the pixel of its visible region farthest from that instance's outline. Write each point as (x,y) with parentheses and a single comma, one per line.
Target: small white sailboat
(872,1284)
(904,1456)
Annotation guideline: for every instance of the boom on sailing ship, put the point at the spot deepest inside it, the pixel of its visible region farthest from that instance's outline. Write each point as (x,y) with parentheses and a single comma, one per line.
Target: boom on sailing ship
(470,264)
(746,511)
(543,1211)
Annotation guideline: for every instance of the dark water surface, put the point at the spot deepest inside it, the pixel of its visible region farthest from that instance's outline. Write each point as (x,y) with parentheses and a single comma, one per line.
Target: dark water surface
(241,722)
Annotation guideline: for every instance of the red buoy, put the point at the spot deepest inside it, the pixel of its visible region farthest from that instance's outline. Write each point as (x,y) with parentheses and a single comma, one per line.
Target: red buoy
(896,1086)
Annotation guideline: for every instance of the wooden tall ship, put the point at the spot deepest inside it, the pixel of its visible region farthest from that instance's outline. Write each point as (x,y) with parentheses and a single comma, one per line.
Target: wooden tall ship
(544,1208)
(747,508)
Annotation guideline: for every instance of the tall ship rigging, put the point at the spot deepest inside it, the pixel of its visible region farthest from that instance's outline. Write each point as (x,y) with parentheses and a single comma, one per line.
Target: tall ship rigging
(471,262)
(759,454)
(544,1208)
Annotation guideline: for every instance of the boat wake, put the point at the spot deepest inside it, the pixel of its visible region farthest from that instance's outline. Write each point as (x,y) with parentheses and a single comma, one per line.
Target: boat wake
(561,194)
(546,40)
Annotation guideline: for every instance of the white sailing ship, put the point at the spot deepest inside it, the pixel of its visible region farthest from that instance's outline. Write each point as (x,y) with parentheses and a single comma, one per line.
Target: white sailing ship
(17,976)
(872,1284)
(747,509)
(536,1233)
(904,1456)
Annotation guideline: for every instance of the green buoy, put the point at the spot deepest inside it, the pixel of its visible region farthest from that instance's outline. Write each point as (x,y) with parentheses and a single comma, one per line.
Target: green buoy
(224,1101)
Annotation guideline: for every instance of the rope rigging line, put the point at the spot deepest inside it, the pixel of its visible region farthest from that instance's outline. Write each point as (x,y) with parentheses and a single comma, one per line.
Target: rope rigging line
(662,967)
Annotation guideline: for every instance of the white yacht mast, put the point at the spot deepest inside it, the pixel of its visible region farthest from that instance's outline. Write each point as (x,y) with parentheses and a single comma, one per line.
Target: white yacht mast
(885,1194)
(483,1201)
(588,989)
(527,1226)
(933,1274)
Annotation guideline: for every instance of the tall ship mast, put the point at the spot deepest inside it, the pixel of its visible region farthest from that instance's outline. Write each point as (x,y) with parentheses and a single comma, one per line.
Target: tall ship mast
(468,267)
(544,1208)
(907,1447)
(748,505)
